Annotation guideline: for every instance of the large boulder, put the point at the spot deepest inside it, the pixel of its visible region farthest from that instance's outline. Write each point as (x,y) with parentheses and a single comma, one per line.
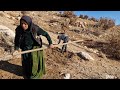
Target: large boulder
(7,35)
(86,56)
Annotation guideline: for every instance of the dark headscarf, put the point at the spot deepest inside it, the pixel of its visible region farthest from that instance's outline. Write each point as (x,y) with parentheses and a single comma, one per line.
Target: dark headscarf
(28,20)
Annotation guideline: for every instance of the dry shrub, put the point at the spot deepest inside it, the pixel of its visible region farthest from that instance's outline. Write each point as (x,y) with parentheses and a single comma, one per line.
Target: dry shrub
(93,19)
(53,20)
(72,21)
(24,12)
(106,23)
(68,14)
(81,16)
(1,14)
(86,17)
(64,28)
(112,49)
(97,32)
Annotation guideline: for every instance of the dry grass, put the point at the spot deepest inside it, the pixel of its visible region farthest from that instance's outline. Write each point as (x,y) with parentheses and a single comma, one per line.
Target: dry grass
(106,23)
(112,49)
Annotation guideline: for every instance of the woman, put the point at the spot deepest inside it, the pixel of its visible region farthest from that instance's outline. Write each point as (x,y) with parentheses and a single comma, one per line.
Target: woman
(27,38)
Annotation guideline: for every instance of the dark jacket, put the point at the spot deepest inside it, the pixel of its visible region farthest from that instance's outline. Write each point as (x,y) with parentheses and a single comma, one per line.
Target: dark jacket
(64,37)
(35,31)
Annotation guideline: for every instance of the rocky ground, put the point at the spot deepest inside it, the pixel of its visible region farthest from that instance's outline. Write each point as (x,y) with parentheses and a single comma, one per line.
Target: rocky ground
(58,64)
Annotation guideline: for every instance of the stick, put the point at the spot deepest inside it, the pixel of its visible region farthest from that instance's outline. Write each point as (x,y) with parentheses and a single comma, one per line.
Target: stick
(28,51)
(83,48)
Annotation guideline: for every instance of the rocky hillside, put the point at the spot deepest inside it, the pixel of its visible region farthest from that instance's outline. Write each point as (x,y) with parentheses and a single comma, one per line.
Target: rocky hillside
(91,58)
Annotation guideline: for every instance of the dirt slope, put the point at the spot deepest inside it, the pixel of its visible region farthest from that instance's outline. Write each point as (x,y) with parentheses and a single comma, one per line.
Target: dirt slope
(58,64)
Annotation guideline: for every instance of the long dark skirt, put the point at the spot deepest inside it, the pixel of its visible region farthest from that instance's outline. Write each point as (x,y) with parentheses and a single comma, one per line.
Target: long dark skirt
(33,64)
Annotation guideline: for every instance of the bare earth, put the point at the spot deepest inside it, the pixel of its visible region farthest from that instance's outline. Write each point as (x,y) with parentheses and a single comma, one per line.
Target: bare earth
(58,64)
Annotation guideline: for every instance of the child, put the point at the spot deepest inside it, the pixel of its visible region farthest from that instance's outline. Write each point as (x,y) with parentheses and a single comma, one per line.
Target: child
(65,38)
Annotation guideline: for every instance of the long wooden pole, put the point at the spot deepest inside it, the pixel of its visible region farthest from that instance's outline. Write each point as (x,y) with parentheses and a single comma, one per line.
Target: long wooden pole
(28,51)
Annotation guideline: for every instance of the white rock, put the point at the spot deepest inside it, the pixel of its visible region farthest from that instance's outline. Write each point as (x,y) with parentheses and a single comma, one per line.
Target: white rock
(110,77)
(18,18)
(86,56)
(67,76)
(7,34)
(5,29)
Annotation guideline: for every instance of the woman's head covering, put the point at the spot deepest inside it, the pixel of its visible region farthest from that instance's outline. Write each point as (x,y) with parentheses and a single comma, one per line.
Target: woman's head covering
(28,20)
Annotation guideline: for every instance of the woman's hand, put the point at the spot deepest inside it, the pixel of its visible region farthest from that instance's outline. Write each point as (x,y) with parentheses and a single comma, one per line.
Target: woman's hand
(16,52)
(51,46)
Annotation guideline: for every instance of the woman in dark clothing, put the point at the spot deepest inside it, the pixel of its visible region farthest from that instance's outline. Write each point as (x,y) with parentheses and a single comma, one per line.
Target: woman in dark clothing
(27,37)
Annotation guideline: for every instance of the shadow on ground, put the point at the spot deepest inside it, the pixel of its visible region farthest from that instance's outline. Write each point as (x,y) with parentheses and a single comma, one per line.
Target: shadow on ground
(12,68)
